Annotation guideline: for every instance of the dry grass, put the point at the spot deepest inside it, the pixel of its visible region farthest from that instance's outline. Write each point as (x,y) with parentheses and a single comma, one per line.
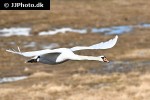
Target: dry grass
(139,53)
(132,86)
(76,13)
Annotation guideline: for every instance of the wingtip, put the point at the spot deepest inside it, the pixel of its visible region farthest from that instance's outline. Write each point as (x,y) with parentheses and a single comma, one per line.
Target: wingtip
(116,36)
(114,41)
(18,48)
(8,50)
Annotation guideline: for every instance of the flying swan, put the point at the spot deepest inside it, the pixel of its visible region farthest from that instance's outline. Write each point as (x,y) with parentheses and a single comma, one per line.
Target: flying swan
(60,55)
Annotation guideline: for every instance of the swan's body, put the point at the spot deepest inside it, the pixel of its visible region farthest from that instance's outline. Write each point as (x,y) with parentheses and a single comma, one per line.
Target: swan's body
(61,55)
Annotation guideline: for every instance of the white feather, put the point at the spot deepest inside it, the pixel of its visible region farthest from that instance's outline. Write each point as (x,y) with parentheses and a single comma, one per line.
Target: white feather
(31,53)
(102,45)
(36,53)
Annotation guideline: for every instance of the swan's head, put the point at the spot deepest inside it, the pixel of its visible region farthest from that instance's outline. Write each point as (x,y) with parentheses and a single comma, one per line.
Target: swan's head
(104,59)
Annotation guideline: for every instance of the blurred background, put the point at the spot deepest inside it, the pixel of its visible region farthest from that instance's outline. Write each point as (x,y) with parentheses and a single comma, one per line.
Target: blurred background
(78,23)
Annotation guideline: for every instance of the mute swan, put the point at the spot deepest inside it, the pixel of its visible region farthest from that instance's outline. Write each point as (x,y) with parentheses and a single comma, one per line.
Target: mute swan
(61,55)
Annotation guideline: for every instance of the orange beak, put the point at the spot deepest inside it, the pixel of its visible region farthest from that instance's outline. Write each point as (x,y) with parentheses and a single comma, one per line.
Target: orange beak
(106,60)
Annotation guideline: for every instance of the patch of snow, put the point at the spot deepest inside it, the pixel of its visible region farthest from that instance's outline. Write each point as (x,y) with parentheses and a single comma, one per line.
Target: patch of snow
(145,25)
(113,30)
(63,30)
(6,32)
(25,31)
(12,79)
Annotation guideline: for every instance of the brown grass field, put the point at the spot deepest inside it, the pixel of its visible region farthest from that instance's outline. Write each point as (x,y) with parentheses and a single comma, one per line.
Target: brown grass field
(127,77)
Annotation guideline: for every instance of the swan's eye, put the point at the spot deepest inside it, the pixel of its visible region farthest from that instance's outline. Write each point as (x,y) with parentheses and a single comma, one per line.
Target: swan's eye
(38,57)
(102,58)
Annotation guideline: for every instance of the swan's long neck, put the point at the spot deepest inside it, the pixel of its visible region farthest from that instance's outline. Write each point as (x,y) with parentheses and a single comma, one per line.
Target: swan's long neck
(79,57)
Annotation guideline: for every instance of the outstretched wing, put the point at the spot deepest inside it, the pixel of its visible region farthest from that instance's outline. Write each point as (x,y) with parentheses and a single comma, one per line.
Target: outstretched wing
(102,45)
(29,54)
(35,53)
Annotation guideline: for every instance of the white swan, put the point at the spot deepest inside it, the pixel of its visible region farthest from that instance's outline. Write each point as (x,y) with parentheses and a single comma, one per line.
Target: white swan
(61,55)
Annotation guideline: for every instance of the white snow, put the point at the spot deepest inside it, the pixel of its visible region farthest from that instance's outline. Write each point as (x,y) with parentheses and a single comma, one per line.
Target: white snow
(6,32)
(113,30)
(63,30)
(25,31)
(11,79)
